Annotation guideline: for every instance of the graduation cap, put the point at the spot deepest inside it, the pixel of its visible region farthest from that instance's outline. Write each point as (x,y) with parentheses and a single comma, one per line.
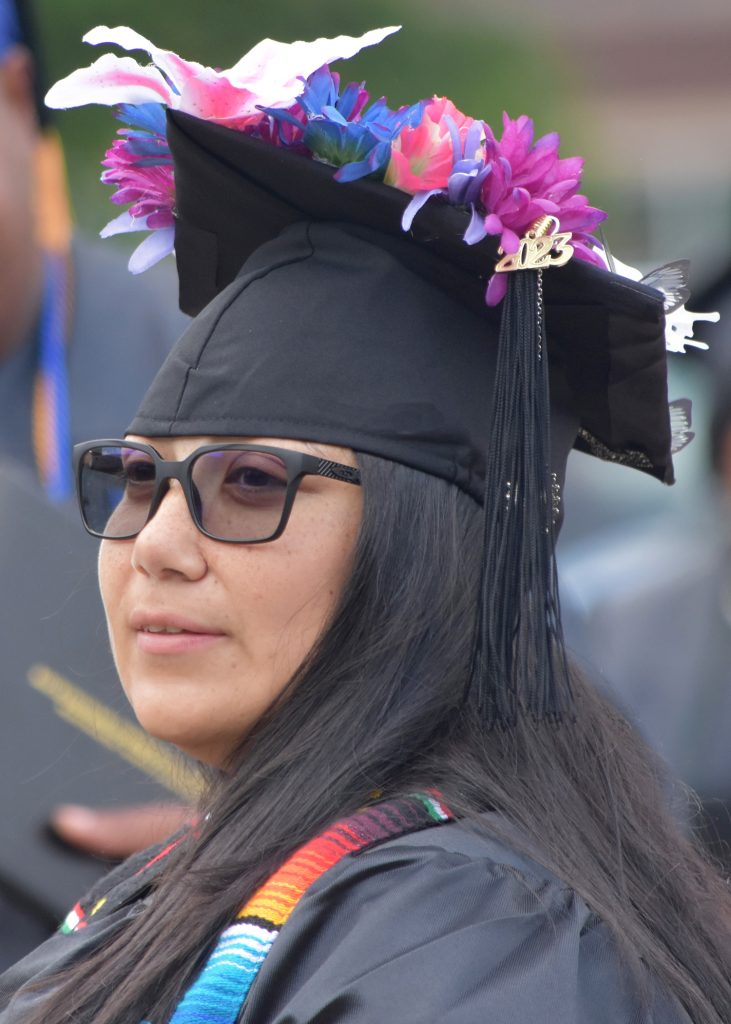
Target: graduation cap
(66,732)
(334,306)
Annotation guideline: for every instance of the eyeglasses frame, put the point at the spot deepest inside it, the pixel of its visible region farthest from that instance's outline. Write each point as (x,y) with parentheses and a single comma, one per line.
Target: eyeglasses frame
(297,464)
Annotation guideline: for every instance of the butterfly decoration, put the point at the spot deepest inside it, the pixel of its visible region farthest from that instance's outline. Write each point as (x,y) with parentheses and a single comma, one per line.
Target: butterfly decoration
(680,421)
(672,280)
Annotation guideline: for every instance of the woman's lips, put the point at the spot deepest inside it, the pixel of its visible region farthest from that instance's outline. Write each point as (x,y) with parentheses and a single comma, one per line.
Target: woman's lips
(159,633)
(175,643)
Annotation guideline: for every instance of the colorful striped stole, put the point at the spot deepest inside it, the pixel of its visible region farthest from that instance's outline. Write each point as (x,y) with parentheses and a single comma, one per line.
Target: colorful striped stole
(218,993)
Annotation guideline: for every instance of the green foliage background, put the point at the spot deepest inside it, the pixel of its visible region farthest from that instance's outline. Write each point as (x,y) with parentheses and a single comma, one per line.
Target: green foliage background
(483,71)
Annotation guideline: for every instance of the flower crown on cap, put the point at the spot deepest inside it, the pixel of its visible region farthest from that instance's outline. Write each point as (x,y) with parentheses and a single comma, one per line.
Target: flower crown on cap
(286,95)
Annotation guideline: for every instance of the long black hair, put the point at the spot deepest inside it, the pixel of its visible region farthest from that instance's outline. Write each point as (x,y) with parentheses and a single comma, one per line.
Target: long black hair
(383,702)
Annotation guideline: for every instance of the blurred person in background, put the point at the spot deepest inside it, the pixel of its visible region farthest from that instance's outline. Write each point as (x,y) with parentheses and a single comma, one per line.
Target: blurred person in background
(68,319)
(648,609)
(79,342)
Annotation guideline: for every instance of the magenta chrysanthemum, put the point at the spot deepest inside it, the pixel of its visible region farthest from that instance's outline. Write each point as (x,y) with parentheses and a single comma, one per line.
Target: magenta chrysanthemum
(526,181)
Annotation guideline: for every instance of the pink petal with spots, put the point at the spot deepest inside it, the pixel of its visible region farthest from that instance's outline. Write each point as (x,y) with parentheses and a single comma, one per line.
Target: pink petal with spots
(110,80)
(213,98)
(178,70)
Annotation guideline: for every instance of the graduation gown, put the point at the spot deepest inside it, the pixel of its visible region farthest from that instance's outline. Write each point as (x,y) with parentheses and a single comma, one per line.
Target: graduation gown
(444,926)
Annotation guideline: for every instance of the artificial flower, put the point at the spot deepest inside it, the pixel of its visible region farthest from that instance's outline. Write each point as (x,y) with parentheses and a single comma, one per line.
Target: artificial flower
(528,180)
(338,128)
(286,95)
(423,156)
(138,163)
(269,75)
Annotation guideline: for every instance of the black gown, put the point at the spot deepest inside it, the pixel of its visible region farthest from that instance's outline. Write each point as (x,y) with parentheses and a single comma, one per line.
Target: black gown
(439,927)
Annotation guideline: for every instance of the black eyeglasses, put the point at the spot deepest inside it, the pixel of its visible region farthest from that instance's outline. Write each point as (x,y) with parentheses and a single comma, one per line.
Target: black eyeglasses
(239,493)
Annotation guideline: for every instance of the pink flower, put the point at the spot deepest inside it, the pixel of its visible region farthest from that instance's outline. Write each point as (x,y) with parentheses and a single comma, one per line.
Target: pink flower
(422,158)
(149,189)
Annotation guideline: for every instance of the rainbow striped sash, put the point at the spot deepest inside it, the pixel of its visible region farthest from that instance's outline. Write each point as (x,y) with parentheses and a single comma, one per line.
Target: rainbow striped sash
(218,993)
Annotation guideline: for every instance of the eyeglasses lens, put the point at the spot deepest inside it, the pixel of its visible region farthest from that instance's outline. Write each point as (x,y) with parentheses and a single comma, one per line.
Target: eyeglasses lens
(237,495)
(240,494)
(116,487)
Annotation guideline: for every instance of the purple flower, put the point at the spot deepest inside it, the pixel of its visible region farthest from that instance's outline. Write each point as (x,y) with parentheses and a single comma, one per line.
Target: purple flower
(468,171)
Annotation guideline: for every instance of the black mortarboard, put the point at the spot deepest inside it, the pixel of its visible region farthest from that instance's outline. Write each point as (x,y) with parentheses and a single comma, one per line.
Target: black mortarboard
(234,193)
(327,322)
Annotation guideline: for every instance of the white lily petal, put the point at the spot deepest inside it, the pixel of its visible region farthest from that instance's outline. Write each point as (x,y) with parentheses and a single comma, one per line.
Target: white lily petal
(176,68)
(272,68)
(154,248)
(110,80)
(121,36)
(122,224)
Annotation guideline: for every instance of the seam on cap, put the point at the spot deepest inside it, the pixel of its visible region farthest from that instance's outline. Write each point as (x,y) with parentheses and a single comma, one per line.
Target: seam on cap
(257,276)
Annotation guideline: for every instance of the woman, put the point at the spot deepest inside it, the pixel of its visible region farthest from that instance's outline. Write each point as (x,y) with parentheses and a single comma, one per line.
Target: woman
(327,572)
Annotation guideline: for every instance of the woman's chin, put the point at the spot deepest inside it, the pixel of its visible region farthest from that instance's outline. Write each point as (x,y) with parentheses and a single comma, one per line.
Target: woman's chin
(187,728)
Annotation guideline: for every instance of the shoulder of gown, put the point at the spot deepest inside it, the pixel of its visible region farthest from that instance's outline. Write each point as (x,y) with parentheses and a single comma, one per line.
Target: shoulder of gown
(447,926)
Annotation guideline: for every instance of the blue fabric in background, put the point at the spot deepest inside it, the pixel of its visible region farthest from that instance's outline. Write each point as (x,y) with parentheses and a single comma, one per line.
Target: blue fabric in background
(9,25)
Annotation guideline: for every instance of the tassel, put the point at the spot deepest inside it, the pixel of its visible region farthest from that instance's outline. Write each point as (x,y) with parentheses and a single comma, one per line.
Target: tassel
(521,661)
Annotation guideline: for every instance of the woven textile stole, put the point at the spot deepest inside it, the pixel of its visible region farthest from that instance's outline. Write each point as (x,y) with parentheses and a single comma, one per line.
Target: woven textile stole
(218,993)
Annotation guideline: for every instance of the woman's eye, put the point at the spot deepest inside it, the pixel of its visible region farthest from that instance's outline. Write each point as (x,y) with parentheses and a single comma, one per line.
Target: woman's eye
(139,471)
(254,479)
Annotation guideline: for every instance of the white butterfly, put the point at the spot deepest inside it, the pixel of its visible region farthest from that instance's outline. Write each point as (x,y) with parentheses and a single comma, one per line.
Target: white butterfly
(680,420)
(672,280)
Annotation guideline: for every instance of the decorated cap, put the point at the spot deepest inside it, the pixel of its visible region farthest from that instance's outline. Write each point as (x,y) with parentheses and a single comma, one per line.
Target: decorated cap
(403,282)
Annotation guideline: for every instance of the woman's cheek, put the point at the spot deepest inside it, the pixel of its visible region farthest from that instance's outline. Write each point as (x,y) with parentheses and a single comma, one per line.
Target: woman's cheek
(114,567)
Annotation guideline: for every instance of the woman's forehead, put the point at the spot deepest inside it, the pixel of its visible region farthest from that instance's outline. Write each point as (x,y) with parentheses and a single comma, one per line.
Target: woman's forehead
(178,447)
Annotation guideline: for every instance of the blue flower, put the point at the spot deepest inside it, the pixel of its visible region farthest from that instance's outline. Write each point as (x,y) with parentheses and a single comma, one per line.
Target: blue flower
(146,136)
(340,132)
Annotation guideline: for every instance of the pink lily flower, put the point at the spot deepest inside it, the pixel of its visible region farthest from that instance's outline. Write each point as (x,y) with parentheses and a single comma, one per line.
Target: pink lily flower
(269,75)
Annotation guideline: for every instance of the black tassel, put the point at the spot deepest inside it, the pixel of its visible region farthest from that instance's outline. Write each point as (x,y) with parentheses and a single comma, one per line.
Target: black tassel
(521,661)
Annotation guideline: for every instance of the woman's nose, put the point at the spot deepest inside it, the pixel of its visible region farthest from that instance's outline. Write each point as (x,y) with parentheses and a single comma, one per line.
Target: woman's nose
(171,542)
